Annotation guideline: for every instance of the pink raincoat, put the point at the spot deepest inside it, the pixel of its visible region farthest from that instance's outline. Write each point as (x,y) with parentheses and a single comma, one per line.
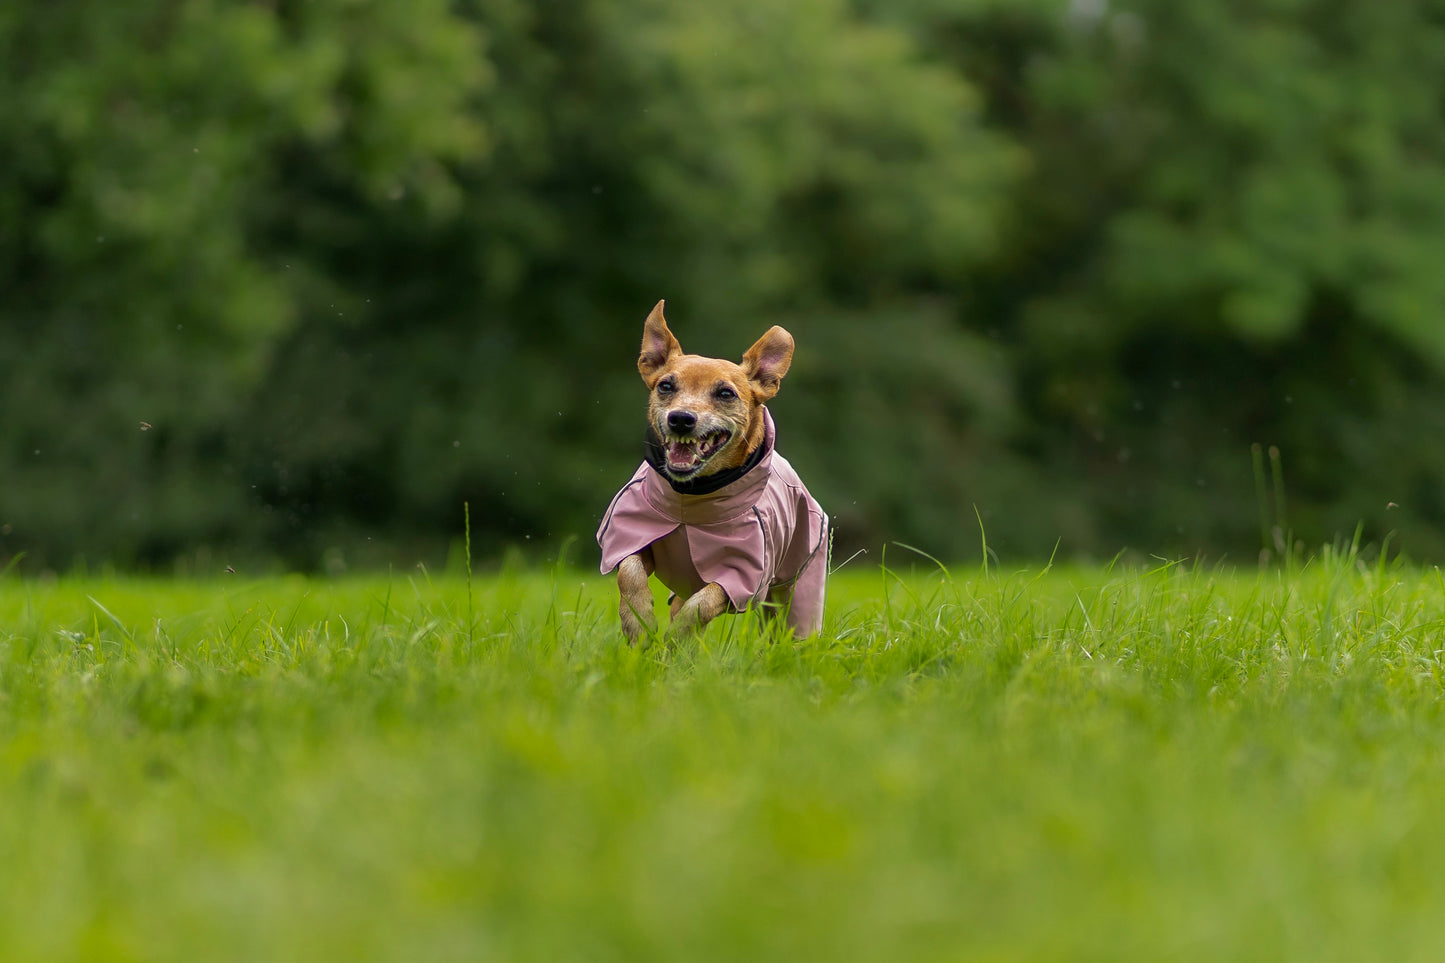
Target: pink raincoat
(761,537)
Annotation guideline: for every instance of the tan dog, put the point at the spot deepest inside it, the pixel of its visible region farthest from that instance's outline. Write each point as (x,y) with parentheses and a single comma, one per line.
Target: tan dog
(714,511)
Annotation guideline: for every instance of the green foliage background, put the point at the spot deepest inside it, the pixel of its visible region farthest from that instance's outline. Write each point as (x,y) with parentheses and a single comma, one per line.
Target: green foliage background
(355,263)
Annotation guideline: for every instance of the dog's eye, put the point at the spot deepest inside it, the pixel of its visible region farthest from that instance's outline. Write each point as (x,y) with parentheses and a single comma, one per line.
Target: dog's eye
(726,393)
(666,387)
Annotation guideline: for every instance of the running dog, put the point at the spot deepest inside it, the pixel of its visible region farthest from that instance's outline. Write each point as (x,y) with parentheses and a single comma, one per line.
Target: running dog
(714,511)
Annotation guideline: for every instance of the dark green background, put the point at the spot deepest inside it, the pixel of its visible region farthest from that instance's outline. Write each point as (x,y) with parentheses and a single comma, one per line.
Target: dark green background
(357,263)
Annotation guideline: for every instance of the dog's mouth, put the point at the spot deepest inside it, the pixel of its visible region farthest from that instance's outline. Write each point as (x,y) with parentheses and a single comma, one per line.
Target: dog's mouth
(686,456)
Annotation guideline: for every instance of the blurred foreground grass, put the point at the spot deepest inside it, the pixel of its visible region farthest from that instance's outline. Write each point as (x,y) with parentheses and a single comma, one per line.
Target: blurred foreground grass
(1079,764)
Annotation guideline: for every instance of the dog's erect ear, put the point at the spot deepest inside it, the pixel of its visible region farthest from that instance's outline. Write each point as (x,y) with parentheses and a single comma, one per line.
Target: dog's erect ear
(767,361)
(658,345)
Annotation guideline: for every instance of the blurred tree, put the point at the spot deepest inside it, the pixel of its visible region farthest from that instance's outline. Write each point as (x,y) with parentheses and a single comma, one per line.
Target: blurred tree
(750,161)
(145,143)
(1228,233)
(301,276)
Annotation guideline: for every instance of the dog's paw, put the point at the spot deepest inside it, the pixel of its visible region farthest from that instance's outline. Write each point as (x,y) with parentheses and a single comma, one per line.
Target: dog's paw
(638,624)
(692,616)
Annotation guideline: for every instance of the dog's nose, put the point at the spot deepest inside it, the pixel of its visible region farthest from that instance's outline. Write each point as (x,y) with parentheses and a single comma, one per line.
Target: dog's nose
(681,422)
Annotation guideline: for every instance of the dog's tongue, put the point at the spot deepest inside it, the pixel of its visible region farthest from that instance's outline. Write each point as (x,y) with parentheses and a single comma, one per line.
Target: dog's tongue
(681,455)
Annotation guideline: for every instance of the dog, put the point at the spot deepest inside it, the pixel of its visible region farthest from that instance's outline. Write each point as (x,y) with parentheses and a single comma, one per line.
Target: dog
(714,510)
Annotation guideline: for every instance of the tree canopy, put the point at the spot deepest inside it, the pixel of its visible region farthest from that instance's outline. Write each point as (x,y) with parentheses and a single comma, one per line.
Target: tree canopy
(296,279)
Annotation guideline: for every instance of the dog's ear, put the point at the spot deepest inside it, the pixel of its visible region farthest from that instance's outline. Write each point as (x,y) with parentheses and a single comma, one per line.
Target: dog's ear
(658,345)
(767,361)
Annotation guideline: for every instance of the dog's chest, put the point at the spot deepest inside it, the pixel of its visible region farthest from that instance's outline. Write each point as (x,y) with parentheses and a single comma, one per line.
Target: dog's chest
(673,564)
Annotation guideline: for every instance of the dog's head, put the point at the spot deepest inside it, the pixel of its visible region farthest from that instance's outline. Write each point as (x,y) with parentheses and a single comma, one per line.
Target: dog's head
(707,412)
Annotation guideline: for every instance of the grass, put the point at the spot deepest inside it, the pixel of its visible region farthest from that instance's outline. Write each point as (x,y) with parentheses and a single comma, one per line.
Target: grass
(1072,764)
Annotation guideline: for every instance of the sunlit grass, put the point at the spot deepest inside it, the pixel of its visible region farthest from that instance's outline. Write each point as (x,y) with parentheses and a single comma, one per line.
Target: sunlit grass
(1073,764)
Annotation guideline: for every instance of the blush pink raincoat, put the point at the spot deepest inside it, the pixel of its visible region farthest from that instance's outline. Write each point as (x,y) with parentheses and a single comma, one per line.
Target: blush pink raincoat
(761,537)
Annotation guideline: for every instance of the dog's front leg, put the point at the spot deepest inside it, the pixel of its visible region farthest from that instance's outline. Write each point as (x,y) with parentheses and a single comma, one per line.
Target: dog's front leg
(706,604)
(635,607)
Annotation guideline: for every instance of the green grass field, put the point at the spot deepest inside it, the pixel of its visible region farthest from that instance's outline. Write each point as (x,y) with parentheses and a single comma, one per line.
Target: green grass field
(1066,765)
